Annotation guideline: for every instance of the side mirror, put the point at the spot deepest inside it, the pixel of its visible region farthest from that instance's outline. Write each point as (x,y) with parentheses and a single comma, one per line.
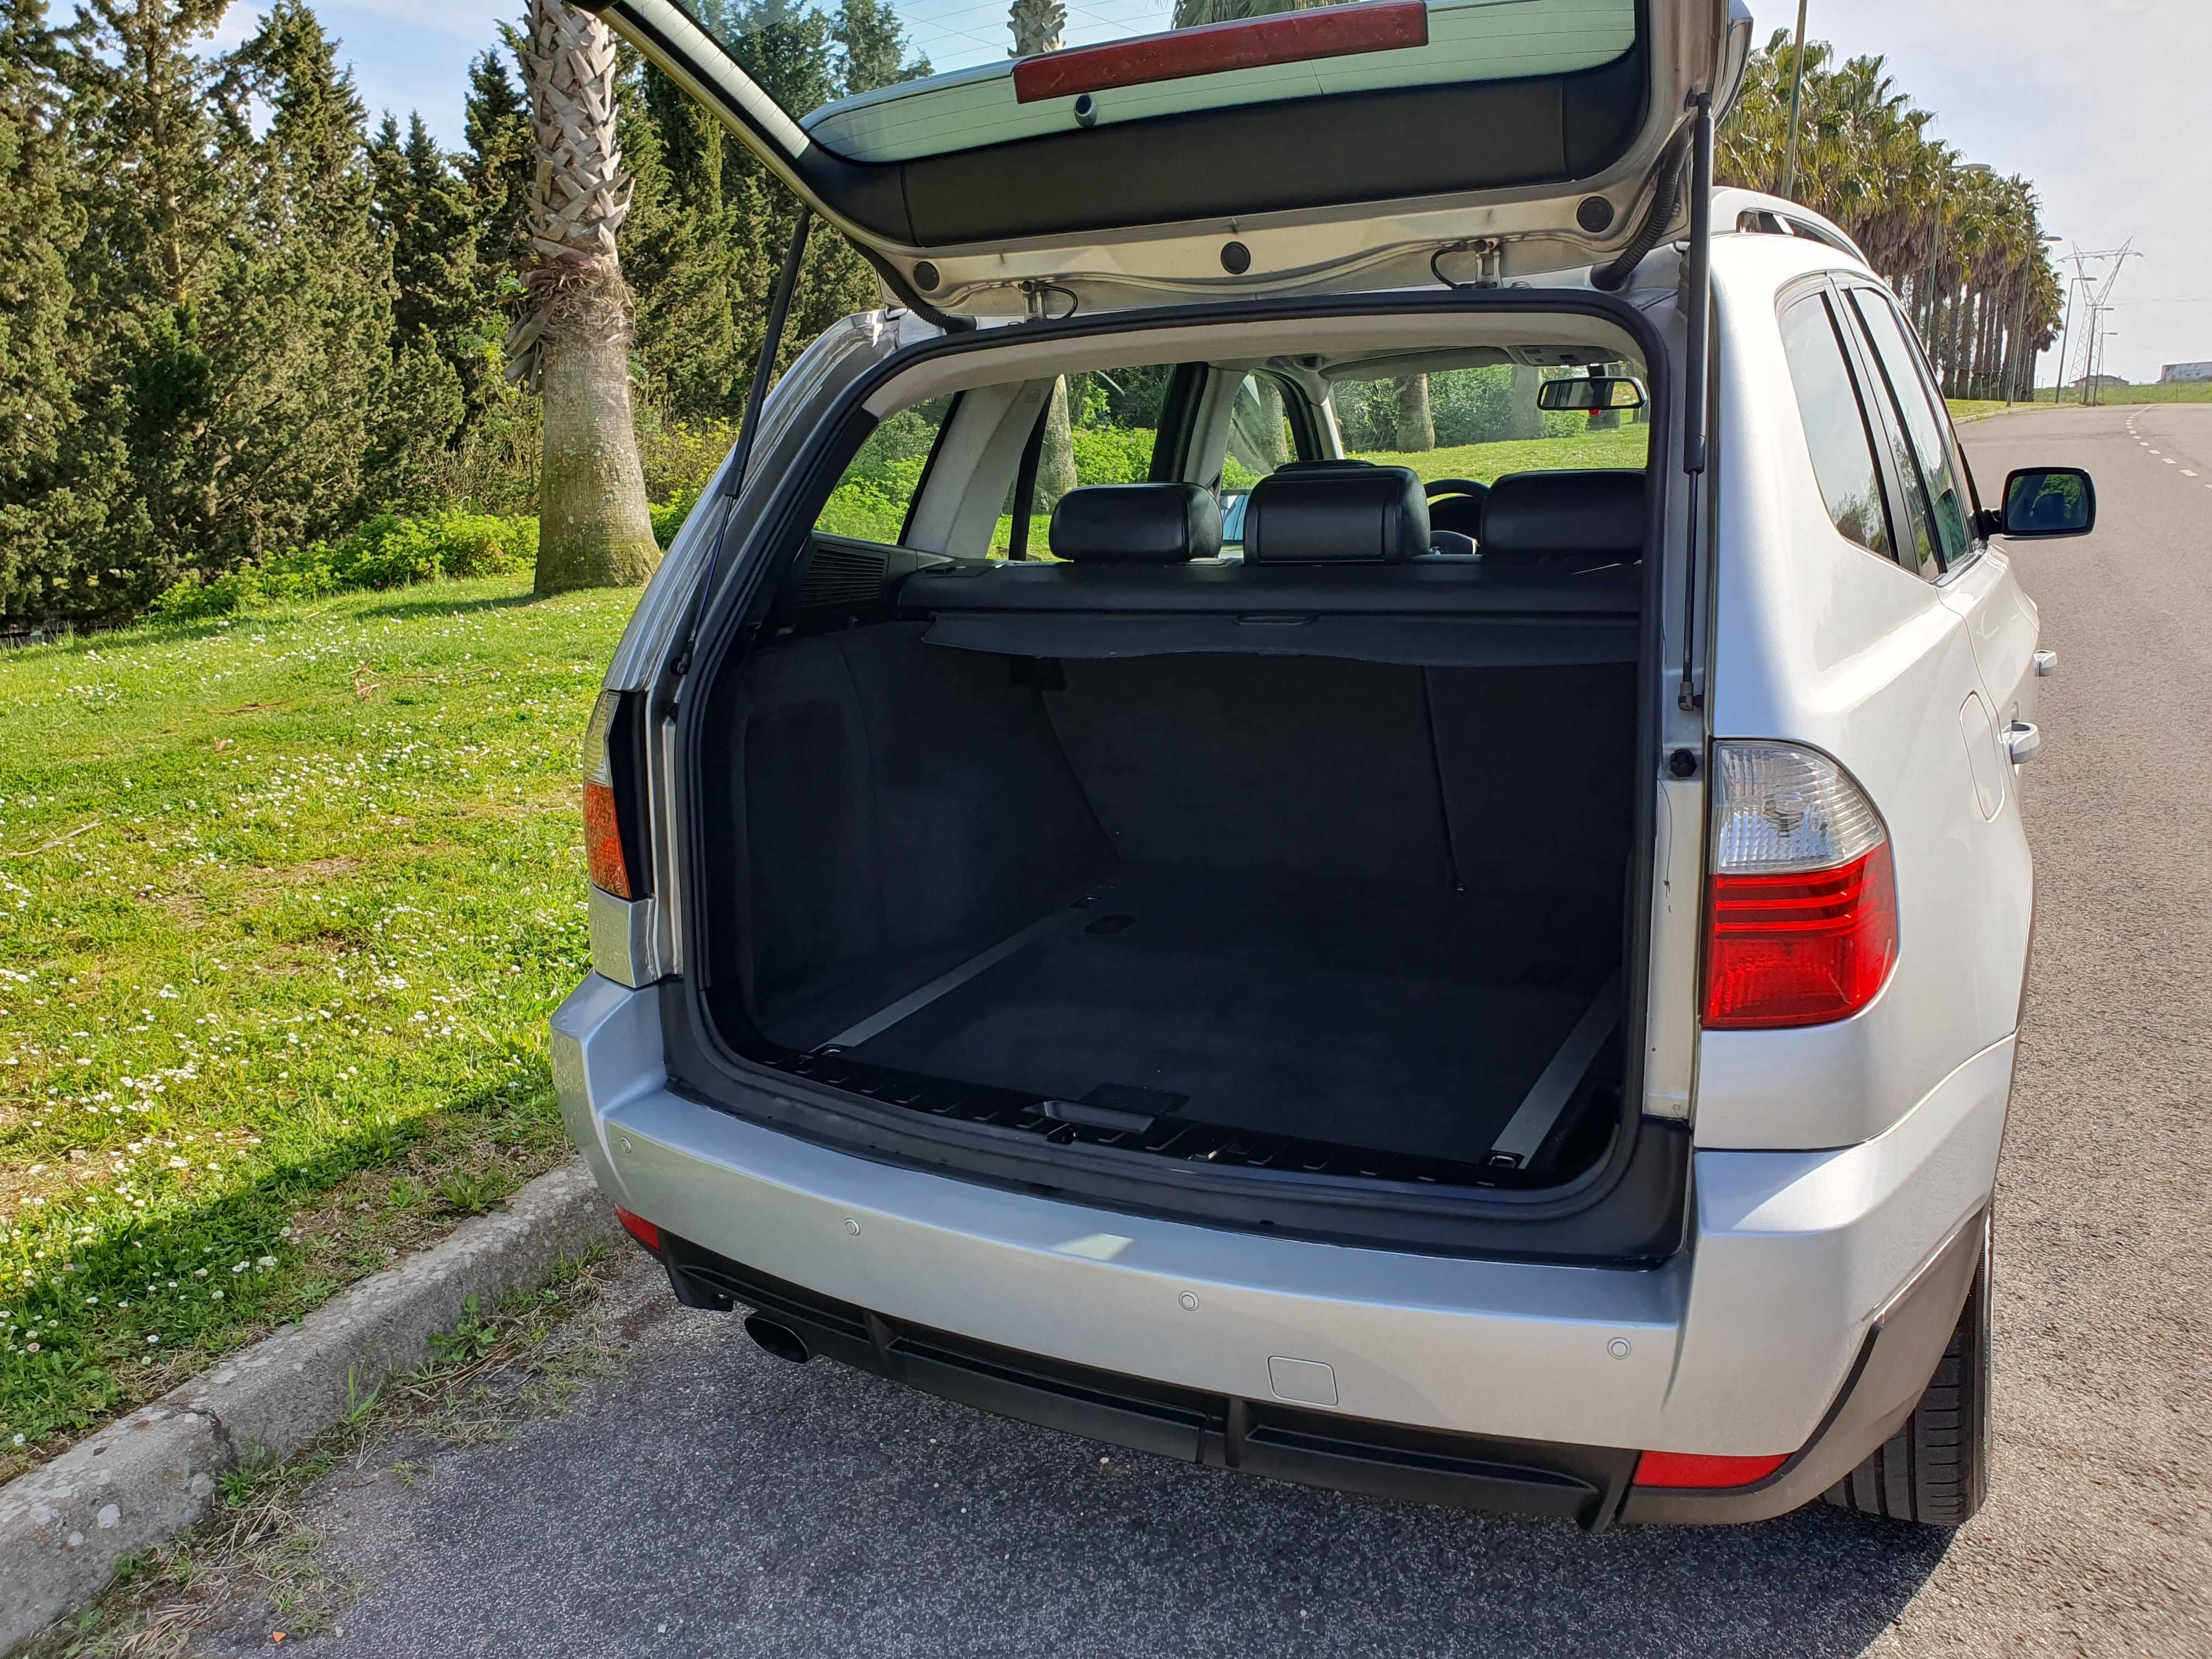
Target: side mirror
(1233,503)
(2049,500)
(1579,392)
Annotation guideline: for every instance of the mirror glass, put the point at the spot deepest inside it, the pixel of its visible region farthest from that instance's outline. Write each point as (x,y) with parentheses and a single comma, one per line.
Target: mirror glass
(1604,392)
(2052,500)
(1233,502)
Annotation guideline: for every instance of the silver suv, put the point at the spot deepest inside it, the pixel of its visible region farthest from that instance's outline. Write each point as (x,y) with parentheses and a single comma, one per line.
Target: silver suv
(1114,903)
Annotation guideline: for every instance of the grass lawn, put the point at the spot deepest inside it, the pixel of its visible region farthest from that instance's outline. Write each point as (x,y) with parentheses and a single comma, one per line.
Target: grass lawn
(1627,446)
(2185,392)
(284,903)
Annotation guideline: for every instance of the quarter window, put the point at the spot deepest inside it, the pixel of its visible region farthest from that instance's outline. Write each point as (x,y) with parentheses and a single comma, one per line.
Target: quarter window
(872,500)
(1923,426)
(1835,425)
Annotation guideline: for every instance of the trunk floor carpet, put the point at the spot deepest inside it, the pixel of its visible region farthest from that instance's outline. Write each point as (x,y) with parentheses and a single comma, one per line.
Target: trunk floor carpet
(1406,1019)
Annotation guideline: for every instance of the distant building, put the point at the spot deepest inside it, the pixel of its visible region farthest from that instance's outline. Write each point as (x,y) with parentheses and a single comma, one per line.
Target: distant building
(2180,373)
(2102,382)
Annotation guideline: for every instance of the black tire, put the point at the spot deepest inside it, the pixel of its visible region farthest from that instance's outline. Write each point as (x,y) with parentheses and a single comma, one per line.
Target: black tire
(1936,1469)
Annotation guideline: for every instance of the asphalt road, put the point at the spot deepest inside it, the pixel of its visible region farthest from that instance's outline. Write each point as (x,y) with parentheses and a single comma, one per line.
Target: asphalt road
(706,1499)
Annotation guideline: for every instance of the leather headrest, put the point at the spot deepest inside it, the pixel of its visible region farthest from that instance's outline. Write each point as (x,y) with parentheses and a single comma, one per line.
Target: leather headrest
(1137,524)
(1338,514)
(1531,515)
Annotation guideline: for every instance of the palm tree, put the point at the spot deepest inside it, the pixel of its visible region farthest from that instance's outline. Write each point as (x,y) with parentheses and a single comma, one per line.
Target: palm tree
(1037,26)
(1964,249)
(572,343)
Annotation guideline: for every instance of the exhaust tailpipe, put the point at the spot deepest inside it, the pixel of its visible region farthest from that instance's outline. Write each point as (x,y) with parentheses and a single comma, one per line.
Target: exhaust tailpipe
(780,1341)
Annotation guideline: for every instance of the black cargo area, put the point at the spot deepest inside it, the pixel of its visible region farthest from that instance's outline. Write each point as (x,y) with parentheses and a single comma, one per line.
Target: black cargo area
(1157,898)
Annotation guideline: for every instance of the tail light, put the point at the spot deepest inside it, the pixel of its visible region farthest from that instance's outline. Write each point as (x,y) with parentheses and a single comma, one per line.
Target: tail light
(648,1235)
(613,803)
(1801,913)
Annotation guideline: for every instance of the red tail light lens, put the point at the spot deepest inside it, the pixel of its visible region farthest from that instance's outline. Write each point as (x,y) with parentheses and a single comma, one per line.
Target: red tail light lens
(1800,910)
(603,840)
(1690,1470)
(639,1228)
(1799,950)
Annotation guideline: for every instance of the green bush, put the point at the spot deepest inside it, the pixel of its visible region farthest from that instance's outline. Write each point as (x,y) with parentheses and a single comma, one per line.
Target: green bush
(388,551)
(668,516)
(1114,454)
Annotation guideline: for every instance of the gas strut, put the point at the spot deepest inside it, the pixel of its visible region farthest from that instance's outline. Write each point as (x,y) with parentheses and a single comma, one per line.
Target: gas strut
(734,474)
(1697,399)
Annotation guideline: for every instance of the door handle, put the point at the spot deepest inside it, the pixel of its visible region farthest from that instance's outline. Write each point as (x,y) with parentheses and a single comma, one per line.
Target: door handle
(2023,741)
(2046,663)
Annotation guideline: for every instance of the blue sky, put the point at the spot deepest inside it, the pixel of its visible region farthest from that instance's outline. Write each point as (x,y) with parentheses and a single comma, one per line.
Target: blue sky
(2100,102)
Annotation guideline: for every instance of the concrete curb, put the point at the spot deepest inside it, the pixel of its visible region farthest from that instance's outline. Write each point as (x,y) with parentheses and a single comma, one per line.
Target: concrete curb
(148,1476)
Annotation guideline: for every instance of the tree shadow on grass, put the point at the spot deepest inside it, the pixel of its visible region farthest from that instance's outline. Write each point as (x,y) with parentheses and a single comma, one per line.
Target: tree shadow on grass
(93,1366)
(408,610)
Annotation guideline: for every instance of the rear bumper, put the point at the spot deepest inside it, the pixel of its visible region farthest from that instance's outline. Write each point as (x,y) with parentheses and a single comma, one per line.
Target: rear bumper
(1743,1344)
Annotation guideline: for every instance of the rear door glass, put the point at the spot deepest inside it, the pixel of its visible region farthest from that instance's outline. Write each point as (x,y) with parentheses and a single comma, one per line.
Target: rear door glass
(1259,440)
(1101,426)
(1835,430)
(873,499)
(1927,431)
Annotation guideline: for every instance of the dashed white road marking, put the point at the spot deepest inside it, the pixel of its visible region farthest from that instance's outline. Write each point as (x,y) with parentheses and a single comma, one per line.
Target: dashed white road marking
(2170,461)
(2188,473)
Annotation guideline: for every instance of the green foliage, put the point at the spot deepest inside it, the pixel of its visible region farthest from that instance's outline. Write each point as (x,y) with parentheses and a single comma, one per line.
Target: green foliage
(388,551)
(1114,454)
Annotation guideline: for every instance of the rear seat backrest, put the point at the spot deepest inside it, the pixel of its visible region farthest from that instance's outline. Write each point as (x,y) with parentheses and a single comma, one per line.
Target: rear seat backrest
(1137,524)
(1530,516)
(1353,514)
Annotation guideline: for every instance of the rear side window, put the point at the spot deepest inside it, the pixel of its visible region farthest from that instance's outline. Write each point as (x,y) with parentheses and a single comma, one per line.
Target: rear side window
(1099,427)
(1836,425)
(872,500)
(1946,489)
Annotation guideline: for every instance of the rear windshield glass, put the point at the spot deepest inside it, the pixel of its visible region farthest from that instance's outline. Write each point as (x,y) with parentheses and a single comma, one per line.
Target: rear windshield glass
(890,80)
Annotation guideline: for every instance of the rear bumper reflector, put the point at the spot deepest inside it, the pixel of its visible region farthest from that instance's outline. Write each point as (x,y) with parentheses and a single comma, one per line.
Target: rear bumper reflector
(1690,1471)
(1213,48)
(639,1228)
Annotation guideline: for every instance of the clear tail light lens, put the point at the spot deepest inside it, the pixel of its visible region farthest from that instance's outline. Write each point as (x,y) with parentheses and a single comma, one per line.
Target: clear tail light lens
(1800,910)
(603,840)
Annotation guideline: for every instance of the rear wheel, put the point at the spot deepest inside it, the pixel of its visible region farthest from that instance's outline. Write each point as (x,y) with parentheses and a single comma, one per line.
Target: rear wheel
(1936,1469)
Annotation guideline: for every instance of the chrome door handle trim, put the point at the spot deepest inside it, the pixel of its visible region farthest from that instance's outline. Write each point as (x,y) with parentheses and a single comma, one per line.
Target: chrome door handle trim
(2046,663)
(2023,741)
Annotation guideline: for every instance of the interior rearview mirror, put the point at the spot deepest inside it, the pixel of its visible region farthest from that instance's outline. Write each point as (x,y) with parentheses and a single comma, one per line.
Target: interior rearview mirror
(2049,501)
(1577,391)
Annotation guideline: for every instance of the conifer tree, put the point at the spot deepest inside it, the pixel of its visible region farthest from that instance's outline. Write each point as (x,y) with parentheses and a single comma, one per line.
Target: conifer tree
(45,506)
(873,45)
(300,327)
(498,166)
(677,249)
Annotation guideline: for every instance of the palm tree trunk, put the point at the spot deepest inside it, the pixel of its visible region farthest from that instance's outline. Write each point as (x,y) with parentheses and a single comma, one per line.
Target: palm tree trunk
(1056,460)
(1416,423)
(572,343)
(1522,418)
